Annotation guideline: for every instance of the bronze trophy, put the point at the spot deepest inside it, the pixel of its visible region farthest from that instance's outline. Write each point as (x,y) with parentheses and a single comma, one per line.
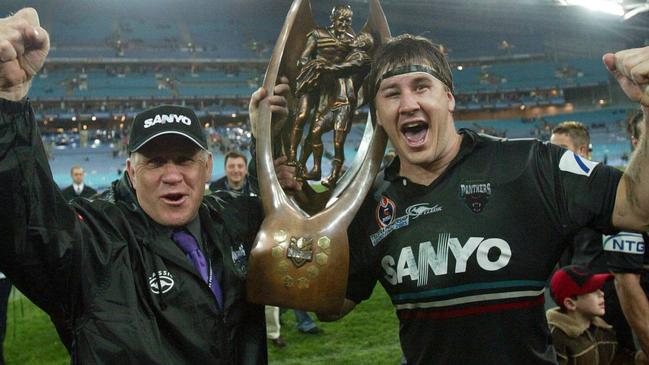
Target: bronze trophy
(301,256)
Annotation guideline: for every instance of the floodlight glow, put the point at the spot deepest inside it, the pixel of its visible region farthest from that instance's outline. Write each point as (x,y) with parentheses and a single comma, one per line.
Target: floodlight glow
(639,9)
(606,6)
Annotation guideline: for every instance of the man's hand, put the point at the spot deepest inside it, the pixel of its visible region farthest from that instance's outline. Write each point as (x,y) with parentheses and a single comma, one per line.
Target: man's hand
(631,69)
(278,106)
(286,176)
(23,48)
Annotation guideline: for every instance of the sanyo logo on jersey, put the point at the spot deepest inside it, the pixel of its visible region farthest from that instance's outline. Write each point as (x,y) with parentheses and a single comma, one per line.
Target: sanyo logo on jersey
(490,254)
(167,118)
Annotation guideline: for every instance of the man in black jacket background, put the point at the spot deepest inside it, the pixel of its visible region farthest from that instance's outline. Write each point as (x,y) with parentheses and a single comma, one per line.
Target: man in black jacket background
(236,175)
(78,187)
(154,276)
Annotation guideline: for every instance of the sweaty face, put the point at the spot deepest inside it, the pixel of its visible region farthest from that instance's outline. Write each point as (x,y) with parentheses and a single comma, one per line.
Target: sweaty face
(236,170)
(77,176)
(169,175)
(415,111)
(591,304)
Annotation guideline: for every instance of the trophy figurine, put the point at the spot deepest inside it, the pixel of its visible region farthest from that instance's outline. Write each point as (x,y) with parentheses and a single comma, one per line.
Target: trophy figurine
(332,65)
(301,255)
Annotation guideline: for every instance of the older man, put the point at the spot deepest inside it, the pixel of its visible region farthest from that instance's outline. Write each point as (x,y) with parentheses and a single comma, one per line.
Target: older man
(155,276)
(465,228)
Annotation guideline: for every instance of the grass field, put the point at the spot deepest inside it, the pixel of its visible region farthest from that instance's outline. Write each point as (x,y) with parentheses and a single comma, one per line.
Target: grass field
(369,335)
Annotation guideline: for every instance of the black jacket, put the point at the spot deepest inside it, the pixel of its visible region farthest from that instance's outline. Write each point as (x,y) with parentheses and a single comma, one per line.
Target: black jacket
(87,192)
(128,291)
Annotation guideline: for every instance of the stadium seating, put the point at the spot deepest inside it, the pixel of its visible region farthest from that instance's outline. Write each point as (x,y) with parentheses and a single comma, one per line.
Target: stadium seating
(501,69)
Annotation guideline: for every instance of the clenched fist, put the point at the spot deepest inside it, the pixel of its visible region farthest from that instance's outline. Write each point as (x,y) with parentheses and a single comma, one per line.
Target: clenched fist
(631,69)
(23,48)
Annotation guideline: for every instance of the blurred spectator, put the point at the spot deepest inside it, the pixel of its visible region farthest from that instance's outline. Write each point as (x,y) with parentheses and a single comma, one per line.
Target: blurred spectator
(236,174)
(78,188)
(306,324)
(635,128)
(273,327)
(572,136)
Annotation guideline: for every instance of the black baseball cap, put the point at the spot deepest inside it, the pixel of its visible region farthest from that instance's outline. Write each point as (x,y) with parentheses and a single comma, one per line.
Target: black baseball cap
(165,119)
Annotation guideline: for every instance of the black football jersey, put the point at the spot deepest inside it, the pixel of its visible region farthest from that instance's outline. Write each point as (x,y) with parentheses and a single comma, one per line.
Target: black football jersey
(465,260)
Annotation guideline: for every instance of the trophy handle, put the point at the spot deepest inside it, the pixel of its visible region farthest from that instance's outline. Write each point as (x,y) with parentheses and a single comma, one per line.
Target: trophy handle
(273,197)
(348,176)
(299,260)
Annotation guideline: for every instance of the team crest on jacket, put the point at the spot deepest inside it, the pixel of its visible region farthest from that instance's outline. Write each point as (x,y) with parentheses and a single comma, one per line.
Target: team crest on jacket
(385,212)
(161,282)
(240,260)
(475,195)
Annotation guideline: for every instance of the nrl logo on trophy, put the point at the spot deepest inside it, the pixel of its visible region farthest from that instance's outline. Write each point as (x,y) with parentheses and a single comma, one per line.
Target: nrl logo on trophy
(301,256)
(300,250)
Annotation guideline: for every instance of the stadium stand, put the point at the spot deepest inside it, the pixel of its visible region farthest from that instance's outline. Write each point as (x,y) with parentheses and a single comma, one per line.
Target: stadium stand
(514,82)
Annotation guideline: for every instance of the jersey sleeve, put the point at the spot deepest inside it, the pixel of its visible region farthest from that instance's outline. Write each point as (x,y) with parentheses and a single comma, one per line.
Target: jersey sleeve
(625,252)
(363,270)
(583,191)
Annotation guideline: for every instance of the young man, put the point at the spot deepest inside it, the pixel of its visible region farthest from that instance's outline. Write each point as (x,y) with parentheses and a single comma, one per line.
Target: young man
(579,334)
(466,228)
(236,175)
(78,188)
(155,276)
(572,136)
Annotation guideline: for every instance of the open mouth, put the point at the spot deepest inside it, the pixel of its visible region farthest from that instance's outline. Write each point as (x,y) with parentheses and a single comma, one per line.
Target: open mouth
(174,198)
(414,132)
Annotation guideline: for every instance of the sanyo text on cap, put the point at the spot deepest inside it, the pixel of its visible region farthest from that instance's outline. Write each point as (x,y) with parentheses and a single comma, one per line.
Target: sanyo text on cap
(165,119)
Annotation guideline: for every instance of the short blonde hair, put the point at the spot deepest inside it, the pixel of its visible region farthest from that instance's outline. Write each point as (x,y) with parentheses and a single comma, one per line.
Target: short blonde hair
(577,132)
